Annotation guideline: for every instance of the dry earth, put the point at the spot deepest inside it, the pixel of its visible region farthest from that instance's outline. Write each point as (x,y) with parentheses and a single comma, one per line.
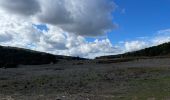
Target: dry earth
(142,79)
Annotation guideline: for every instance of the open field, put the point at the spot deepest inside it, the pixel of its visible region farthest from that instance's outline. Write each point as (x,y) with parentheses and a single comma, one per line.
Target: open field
(147,79)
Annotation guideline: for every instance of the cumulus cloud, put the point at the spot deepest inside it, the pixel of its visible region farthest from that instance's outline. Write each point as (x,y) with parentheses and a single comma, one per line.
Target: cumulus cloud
(73,45)
(94,49)
(24,33)
(54,12)
(5,37)
(82,17)
(22,7)
(68,23)
(160,37)
(89,17)
(135,45)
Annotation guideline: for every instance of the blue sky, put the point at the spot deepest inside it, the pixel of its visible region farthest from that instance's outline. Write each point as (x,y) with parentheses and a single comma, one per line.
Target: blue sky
(140,18)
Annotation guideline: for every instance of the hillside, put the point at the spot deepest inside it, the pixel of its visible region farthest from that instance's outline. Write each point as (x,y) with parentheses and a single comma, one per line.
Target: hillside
(12,56)
(160,50)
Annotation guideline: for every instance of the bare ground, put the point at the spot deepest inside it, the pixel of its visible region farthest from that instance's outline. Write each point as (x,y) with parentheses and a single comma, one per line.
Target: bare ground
(142,79)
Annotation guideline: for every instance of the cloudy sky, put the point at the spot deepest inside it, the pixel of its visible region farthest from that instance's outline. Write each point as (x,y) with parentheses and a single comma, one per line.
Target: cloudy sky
(85,28)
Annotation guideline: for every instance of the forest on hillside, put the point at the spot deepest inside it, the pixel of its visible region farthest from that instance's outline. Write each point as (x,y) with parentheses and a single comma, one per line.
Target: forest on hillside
(11,57)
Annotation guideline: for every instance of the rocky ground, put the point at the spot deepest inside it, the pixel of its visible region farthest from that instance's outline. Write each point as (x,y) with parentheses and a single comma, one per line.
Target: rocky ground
(141,79)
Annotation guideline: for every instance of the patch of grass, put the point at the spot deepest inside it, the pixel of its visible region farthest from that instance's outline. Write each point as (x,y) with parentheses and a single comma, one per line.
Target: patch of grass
(143,89)
(140,83)
(130,83)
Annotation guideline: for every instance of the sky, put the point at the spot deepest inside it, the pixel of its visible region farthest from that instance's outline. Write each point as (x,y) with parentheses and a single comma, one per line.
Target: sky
(84,28)
(140,18)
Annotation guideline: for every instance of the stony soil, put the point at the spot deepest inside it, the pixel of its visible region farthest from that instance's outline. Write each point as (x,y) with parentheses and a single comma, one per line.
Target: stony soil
(142,79)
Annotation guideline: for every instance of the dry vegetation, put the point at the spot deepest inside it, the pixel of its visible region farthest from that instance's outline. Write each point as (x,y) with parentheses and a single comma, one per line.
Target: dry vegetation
(146,79)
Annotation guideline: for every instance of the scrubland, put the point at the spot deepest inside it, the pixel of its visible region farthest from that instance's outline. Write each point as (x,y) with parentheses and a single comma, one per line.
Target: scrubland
(140,79)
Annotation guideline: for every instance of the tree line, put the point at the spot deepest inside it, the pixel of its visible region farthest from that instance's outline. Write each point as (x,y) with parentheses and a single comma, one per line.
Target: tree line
(12,57)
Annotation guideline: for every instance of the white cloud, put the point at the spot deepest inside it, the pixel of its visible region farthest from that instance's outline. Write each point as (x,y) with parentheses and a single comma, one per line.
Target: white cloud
(162,36)
(82,17)
(135,45)
(71,44)
(96,48)
(5,37)
(68,23)
(160,40)
(18,31)
(164,32)
(23,33)
(159,37)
